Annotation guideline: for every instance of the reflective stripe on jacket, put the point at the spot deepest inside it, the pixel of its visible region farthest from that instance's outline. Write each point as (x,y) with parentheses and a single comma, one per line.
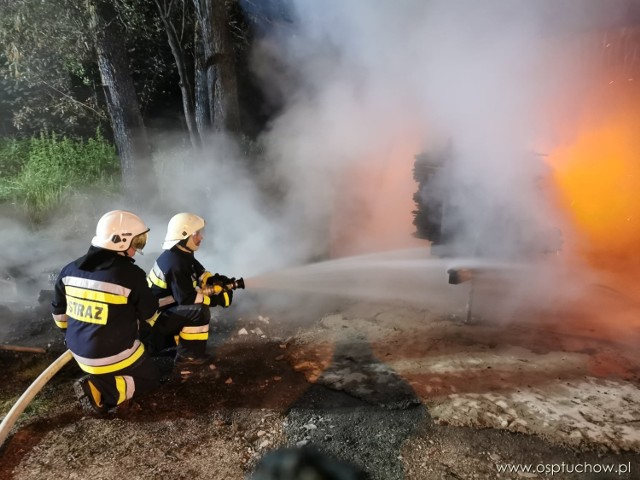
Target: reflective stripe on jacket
(174,278)
(100,309)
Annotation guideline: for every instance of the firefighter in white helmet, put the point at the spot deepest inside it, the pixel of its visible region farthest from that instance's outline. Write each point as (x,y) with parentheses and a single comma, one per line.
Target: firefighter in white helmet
(100,301)
(185,291)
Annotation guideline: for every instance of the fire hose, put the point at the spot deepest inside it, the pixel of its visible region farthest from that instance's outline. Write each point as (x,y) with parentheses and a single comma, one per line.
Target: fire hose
(22,403)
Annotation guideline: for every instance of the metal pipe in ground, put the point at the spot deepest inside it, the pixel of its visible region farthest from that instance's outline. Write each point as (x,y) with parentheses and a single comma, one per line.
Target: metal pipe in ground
(461,275)
(22,403)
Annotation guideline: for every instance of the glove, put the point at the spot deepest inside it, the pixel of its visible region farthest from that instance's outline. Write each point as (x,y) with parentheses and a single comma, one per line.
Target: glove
(222,301)
(212,290)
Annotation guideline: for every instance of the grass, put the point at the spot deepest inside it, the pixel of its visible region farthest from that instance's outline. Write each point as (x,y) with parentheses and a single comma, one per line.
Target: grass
(39,173)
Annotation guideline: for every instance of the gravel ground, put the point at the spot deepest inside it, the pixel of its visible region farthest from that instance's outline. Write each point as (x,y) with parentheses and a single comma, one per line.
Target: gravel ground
(394,390)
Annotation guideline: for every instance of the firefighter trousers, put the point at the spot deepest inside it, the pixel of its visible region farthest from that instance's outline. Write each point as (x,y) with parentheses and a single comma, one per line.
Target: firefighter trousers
(130,382)
(186,326)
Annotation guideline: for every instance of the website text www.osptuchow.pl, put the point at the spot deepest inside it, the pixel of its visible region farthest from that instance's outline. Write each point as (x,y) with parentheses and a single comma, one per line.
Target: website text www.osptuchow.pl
(560,468)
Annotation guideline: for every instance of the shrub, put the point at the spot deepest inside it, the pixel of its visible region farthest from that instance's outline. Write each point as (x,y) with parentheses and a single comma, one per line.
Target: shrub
(13,155)
(40,172)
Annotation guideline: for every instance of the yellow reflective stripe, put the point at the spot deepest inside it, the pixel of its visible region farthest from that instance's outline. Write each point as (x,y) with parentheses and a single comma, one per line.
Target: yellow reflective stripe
(115,366)
(200,332)
(226,299)
(95,393)
(155,280)
(151,321)
(206,300)
(95,295)
(61,320)
(194,336)
(121,386)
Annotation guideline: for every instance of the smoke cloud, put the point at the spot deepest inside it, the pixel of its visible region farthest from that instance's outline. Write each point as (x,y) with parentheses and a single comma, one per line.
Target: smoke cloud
(362,88)
(368,85)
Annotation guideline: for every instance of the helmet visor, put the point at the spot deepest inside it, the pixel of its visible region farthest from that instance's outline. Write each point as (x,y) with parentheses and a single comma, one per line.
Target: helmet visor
(139,241)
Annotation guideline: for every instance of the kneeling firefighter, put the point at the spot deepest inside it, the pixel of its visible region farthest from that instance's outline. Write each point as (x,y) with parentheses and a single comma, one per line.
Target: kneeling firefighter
(100,301)
(185,290)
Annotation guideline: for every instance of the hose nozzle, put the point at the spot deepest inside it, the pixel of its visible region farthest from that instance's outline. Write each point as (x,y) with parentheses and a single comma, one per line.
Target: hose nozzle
(239,283)
(218,287)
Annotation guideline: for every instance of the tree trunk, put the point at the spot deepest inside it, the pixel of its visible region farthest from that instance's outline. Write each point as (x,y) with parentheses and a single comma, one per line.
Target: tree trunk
(181,64)
(204,11)
(221,78)
(203,112)
(226,110)
(128,127)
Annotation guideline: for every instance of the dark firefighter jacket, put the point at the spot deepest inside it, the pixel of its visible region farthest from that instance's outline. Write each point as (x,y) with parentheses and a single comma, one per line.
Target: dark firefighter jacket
(98,300)
(175,276)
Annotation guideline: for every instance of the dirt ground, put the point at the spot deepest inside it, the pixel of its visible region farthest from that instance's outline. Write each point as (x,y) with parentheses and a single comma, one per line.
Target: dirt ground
(397,390)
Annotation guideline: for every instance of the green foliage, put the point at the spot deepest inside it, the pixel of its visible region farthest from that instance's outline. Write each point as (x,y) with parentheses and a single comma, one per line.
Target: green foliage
(41,172)
(13,155)
(47,74)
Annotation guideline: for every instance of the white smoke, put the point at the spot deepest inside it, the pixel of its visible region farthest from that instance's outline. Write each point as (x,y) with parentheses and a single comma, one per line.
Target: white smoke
(362,78)
(359,81)
(359,78)
(247,231)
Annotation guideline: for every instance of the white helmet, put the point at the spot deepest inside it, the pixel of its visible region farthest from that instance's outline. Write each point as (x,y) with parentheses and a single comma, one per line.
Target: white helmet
(117,229)
(181,226)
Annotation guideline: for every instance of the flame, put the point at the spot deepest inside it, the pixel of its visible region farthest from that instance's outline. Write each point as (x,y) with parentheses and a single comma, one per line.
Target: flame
(594,120)
(598,178)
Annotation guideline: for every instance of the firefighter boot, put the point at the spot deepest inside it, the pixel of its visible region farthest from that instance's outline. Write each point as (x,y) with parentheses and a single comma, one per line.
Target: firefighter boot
(89,396)
(183,361)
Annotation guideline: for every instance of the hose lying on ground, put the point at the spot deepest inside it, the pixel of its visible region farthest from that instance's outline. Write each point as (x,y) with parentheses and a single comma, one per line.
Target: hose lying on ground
(11,417)
(18,348)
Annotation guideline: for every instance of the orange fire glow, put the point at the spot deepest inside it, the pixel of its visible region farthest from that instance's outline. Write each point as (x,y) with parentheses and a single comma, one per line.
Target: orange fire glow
(596,172)
(372,211)
(598,176)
